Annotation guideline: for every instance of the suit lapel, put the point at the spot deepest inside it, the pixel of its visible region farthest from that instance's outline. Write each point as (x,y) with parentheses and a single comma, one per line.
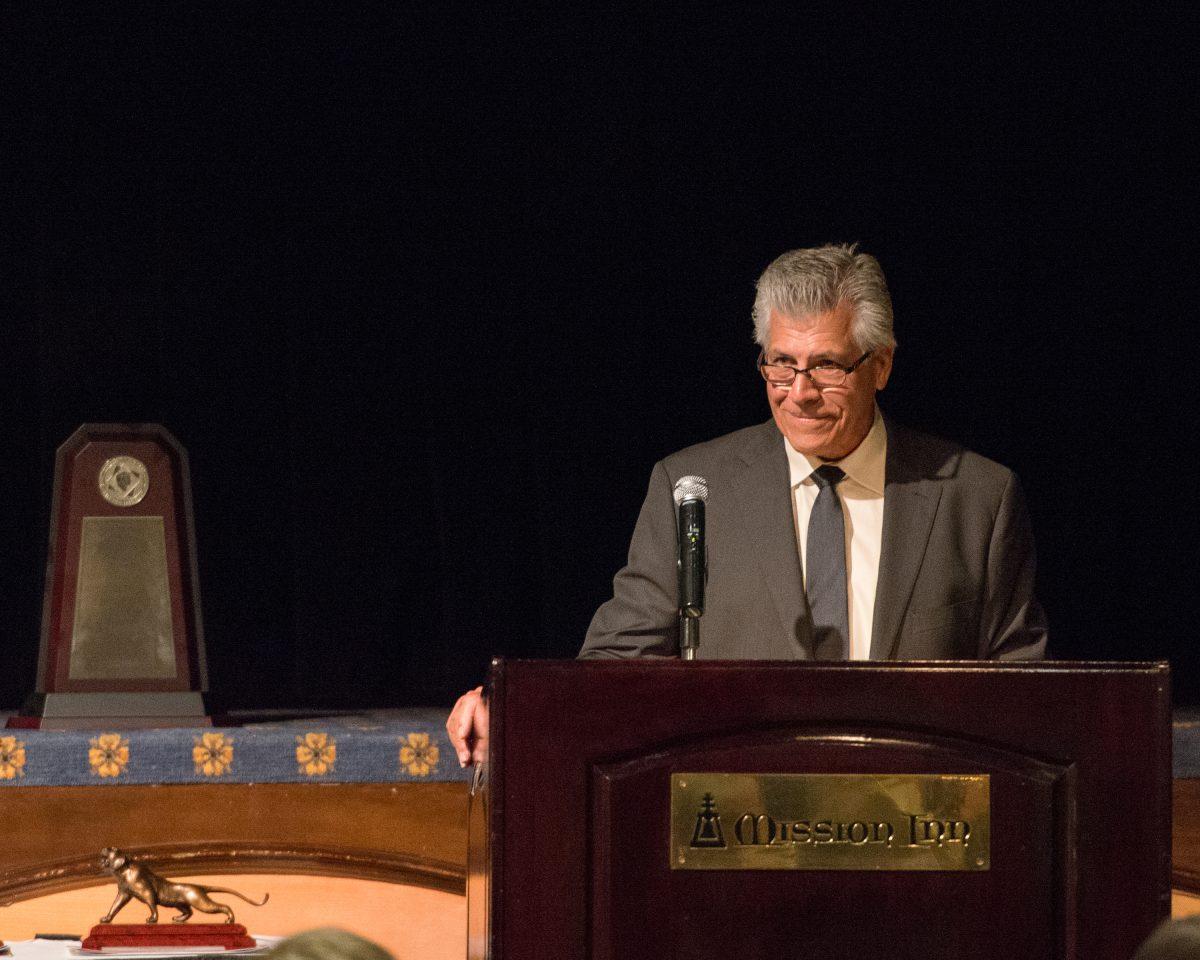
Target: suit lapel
(910,501)
(763,490)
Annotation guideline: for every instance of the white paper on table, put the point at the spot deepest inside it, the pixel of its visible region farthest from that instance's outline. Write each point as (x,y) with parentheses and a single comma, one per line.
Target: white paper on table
(72,950)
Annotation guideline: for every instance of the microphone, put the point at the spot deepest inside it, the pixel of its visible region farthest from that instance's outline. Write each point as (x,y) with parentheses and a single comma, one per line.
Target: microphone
(690,493)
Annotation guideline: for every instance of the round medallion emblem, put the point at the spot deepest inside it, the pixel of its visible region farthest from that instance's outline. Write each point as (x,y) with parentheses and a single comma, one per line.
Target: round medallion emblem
(124,481)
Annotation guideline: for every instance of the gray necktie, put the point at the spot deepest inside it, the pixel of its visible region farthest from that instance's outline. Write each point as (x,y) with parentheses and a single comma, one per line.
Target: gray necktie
(825,579)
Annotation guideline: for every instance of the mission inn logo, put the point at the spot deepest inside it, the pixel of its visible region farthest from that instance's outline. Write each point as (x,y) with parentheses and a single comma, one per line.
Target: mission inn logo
(708,834)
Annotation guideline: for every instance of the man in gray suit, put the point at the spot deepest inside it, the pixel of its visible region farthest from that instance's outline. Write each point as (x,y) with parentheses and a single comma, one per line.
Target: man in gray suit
(832,532)
(938,553)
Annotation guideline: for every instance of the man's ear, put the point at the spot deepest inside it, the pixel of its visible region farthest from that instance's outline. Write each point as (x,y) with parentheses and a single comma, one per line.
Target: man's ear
(883,366)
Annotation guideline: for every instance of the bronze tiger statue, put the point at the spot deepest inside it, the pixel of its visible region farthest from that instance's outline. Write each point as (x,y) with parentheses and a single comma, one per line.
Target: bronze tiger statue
(135,881)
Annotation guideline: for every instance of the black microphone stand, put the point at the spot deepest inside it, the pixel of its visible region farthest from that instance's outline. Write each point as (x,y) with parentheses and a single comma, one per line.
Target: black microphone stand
(691,576)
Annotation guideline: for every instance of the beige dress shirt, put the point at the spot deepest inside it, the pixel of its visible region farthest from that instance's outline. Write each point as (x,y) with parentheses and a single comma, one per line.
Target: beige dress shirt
(861,495)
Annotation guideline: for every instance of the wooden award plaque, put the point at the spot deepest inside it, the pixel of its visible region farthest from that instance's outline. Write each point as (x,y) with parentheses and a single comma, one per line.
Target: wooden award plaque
(122,643)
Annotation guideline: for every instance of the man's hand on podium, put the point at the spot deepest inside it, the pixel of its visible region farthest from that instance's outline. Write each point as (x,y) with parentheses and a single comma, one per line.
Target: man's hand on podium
(467,726)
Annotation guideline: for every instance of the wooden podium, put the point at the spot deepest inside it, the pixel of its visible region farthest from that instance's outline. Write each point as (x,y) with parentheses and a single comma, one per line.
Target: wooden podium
(661,809)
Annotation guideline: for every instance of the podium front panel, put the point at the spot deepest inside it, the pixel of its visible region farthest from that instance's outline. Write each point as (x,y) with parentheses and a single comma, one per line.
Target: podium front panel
(933,912)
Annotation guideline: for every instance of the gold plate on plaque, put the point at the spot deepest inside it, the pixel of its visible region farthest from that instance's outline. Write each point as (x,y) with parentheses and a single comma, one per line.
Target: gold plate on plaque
(828,821)
(123,601)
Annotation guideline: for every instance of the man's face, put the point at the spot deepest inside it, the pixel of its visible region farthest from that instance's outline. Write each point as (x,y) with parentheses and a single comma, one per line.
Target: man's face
(827,423)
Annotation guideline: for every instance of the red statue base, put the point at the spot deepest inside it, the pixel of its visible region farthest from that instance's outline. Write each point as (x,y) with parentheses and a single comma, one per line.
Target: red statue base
(220,936)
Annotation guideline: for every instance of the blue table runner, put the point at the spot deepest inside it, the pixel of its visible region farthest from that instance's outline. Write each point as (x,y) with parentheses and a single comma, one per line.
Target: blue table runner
(378,747)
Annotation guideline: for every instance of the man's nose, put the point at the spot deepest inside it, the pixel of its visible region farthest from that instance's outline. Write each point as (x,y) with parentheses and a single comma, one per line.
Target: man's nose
(803,389)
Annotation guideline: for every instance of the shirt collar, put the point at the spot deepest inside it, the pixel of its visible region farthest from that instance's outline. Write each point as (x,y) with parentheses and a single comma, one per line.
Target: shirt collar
(864,464)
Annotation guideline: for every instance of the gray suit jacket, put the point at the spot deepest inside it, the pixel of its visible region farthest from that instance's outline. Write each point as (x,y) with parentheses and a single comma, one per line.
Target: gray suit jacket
(955,570)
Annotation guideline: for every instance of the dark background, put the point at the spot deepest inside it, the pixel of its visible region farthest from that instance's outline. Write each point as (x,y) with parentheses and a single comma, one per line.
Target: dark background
(426,295)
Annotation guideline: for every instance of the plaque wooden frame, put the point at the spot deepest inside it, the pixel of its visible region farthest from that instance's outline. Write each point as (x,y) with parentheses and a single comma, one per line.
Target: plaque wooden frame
(570,836)
(174,692)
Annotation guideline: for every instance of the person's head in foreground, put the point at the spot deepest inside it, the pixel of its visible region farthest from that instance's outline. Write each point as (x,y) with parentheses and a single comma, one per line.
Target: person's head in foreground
(1173,940)
(328,943)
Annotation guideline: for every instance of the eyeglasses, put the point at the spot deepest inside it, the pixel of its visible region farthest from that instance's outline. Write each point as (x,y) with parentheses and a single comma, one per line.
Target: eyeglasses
(823,374)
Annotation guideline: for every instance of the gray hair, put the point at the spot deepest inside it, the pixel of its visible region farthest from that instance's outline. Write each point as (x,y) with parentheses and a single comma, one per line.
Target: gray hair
(327,943)
(1172,940)
(817,279)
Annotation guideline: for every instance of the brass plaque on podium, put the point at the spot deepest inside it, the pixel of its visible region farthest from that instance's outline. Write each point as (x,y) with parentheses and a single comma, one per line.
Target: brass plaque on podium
(819,821)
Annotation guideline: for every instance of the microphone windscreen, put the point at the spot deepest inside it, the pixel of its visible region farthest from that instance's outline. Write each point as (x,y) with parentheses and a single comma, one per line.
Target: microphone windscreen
(690,488)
